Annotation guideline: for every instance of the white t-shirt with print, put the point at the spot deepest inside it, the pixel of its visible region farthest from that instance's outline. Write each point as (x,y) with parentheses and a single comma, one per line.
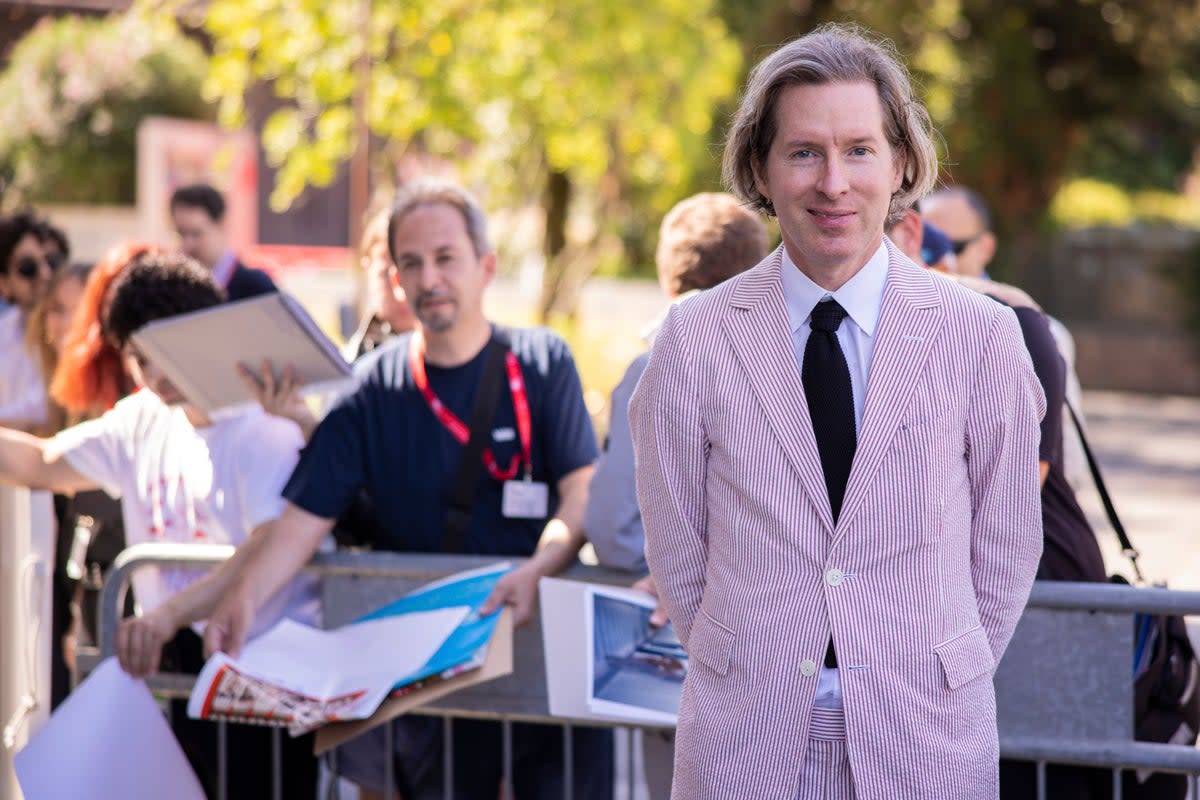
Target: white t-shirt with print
(179,483)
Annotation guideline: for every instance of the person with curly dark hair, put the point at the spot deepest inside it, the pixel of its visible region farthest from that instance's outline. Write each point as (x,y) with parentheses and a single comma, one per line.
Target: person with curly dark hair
(181,477)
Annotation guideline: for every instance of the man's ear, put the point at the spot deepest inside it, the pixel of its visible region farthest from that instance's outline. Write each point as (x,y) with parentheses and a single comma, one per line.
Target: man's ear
(488,264)
(759,183)
(899,162)
(987,247)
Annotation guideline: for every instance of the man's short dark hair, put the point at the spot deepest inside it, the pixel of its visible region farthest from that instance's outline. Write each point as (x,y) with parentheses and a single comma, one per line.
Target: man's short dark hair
(706,239)
(155,286)
(13,229)
(202,196)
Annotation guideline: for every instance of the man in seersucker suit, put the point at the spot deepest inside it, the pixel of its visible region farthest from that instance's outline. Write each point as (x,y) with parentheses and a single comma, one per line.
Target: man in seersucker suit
(837,465)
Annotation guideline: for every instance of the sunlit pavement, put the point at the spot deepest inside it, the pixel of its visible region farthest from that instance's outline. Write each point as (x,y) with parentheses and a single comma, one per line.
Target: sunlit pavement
(1149,452)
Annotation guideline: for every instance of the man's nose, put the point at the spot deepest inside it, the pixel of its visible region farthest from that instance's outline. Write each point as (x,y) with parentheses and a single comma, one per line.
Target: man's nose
(833,181)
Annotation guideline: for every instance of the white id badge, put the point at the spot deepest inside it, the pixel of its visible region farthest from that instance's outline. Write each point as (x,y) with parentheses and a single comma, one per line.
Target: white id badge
(525,500)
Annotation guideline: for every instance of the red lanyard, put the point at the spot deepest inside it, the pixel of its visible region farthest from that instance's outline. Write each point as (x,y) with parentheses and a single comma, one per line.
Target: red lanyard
(459,430)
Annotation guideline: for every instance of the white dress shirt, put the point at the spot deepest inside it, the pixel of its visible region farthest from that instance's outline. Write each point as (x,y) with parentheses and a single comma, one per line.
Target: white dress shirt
(861,297)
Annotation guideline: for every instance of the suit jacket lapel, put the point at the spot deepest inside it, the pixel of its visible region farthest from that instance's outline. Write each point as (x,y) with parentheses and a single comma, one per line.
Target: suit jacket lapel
(909,321)
(758,330)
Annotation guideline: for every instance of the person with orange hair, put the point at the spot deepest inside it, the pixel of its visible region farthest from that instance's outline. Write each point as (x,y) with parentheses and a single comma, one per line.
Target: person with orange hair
(90,377)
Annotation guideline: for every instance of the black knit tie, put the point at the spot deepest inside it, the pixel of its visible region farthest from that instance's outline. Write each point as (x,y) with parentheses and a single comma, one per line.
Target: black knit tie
(826,379)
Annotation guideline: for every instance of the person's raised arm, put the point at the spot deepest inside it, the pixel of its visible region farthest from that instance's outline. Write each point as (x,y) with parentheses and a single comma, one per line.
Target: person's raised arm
(26,460)
(556,550)
(287,544)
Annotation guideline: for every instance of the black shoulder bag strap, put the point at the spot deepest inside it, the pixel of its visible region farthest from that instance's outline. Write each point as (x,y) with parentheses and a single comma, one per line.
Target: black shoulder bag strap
(466,480)
(1127,548)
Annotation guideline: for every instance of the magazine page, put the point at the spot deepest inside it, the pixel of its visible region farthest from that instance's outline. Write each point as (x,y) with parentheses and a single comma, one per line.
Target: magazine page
(604,661)
(300,676)
(634,668)
(466,647)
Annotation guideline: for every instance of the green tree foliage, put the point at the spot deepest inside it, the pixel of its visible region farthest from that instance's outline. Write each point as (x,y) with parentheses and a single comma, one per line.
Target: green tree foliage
(71,99)
(592,104)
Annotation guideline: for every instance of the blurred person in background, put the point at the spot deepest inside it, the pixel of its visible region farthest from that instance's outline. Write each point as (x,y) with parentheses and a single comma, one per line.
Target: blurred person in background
(24,278)
(54,243)
(46,336)
(387,311)
(198,214)
(396,435)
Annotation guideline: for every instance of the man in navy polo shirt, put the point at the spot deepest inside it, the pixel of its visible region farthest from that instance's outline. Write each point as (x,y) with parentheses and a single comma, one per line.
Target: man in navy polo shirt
(400,435)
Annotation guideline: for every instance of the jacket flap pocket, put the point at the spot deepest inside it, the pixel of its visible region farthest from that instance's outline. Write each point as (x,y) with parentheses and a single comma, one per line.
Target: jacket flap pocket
(711,643)
(966,657)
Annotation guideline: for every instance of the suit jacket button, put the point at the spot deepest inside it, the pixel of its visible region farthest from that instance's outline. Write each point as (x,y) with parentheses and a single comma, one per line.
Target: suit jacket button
(834,577)
(808,668)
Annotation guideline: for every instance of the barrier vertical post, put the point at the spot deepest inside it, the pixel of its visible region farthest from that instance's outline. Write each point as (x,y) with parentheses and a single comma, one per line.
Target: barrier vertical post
(26,567)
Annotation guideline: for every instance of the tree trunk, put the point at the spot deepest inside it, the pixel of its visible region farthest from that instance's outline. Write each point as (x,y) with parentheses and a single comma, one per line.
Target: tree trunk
(557,200)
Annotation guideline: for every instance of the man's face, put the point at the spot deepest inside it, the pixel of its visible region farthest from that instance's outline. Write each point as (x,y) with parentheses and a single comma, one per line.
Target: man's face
(440,273)
(200,236)
(29,273)
(830,174)
(147,376)
(974,245)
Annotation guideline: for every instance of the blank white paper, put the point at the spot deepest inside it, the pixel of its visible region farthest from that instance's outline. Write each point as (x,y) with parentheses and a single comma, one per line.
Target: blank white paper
(107,741)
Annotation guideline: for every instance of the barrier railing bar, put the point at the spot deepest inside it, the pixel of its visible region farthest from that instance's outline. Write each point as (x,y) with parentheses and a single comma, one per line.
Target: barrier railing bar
(1041,780)
(506,731)
(568,763)
(448,757)
(276,764)
(1057,595)
(389,761)
(222,760)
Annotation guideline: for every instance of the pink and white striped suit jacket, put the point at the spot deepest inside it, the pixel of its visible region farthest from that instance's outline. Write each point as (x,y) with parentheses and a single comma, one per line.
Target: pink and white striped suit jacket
(936,546)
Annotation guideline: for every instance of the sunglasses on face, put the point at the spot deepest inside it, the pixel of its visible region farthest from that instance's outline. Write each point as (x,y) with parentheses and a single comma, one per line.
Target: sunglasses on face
(28,268)
(958,245)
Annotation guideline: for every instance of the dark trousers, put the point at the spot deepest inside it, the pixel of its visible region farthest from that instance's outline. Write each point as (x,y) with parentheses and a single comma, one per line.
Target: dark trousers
(248,747)
(478,755)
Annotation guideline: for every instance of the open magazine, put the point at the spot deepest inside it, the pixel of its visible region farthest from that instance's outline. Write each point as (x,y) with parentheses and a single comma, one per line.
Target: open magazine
(300,677)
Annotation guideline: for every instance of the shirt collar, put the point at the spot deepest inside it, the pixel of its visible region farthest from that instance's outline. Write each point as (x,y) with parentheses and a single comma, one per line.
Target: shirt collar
(861,296)
(222,271)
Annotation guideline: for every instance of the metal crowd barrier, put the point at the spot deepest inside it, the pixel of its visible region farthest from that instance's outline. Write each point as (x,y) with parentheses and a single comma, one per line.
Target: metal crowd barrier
(1064,688)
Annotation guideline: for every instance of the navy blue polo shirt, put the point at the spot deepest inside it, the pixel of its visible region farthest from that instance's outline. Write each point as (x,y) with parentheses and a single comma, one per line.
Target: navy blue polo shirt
(382,437)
